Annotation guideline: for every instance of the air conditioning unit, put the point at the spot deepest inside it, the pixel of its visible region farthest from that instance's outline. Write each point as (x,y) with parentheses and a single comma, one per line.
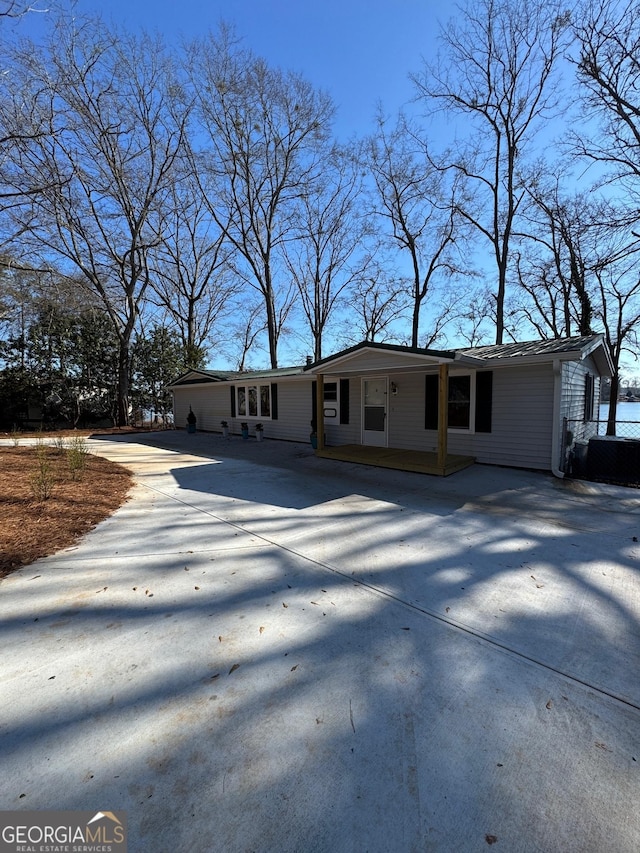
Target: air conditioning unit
(614,459)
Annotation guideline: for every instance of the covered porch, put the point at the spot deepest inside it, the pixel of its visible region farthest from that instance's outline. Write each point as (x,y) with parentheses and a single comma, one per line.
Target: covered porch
(420,461)
(384,363)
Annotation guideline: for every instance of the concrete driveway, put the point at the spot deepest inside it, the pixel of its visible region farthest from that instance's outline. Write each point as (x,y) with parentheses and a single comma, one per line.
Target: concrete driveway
(265,651)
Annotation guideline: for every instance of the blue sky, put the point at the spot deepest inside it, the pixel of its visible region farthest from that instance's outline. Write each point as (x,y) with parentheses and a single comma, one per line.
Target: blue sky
(360,51)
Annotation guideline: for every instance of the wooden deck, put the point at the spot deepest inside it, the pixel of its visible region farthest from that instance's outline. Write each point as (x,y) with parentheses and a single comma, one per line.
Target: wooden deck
(420,461)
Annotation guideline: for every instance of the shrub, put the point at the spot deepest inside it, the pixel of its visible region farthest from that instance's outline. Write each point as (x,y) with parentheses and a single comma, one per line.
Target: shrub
(43,479)
(77,453)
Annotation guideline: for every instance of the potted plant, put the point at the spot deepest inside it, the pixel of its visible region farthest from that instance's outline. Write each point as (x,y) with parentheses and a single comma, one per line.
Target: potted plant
(191,421)
(225,429)
(244,430)
(259,432)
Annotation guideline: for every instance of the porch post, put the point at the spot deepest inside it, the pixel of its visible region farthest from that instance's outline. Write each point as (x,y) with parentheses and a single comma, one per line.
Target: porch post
(443,416)
(320,410)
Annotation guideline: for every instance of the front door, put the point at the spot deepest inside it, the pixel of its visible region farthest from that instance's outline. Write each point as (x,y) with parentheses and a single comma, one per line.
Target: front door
(374,411)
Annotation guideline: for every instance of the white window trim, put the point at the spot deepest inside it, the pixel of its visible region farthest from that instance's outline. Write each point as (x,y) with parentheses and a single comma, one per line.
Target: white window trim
(332,404)
(470,430)
(257,386)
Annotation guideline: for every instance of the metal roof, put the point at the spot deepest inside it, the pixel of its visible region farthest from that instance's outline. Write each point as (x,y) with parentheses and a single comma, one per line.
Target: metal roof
(197,377)
(535,350)
(556,346)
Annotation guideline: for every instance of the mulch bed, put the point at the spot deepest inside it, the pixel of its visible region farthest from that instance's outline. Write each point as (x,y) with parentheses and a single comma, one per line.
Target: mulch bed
(32,526)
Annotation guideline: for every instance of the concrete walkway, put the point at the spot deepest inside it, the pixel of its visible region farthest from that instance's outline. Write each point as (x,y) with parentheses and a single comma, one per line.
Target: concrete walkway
(267,651)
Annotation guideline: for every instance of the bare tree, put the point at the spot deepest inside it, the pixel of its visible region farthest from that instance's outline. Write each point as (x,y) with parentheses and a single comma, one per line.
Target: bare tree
(115,125)
(618,308)
(380,302)
(608,69)
(266,133)
(419,210)
(248,332)
(328,253)
(17,8)
(499,57)
(559,251)
(190,278)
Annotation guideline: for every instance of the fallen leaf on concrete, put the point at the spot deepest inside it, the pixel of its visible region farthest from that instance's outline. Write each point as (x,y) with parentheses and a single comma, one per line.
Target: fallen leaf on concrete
(261,628)
(220,639)
(549,705)
(447,609)
(284,605)
(315,602)
(600,745)
(233,668)
(196,587)
(491,839)
(51,677)
(295,667)
(186,568)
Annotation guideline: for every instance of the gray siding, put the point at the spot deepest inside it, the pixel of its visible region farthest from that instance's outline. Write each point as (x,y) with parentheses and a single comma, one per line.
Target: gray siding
(572,403)
(522,420)
(211,403)
(522,413)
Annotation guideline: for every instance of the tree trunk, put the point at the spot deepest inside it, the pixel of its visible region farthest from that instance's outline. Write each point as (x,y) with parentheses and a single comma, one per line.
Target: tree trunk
(271,329)
(613,404)
(122,417)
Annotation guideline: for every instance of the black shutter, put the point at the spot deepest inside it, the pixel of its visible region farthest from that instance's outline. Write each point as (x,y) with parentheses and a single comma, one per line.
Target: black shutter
(314,406)
(344,401)
(484,400)
(233,401)
(431,383)
(274,401)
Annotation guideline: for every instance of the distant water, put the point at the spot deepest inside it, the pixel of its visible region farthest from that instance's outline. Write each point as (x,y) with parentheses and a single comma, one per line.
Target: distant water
(627,419)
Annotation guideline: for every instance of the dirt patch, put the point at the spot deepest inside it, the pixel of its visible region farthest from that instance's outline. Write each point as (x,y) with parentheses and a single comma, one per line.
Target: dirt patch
(35,524)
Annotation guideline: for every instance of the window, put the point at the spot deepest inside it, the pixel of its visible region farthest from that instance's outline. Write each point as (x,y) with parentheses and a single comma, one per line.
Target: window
(253,401)
(459,402)
(469,401)
(331,392)
(589,397)
(330,401)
